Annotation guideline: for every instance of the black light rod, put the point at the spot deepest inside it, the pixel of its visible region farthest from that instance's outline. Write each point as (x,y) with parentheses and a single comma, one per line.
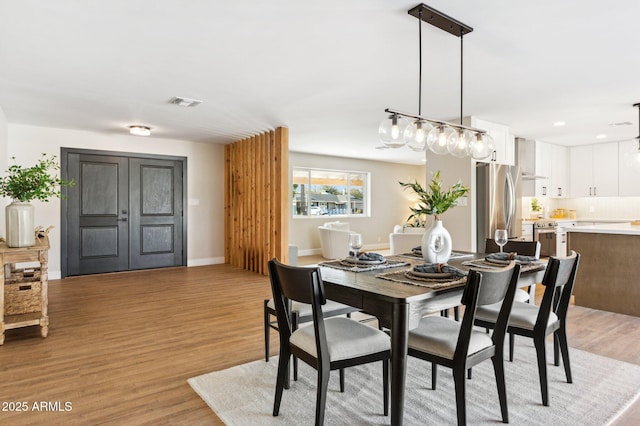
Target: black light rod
(446,123)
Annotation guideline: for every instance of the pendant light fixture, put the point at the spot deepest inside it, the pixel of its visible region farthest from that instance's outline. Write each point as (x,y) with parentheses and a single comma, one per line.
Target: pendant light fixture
(632,157)
(439,136)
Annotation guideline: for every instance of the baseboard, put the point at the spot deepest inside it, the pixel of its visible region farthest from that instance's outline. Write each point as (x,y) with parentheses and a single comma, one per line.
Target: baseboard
(205,261)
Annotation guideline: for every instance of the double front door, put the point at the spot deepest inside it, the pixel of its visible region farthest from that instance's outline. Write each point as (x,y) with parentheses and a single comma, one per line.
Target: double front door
(125,213)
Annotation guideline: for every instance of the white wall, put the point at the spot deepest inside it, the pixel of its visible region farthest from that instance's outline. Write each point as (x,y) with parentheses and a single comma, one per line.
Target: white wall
(390,204)
(627,208)
(4,163)
(205,179)
(460,221)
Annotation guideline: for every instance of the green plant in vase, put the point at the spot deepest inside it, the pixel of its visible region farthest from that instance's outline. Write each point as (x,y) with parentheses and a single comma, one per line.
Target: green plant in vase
(536,208)
(25,184)
(435,201)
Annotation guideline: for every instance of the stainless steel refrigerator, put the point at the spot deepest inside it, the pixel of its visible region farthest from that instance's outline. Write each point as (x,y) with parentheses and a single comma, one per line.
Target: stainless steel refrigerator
(499,203)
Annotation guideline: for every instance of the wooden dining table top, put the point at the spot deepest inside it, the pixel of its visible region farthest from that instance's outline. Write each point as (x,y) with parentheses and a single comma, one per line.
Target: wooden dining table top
(370,282)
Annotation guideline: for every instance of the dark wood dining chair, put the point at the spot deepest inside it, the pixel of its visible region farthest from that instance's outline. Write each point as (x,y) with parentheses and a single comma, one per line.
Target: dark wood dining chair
(525,248)
(538,322)
(329,344)
(458,345)
(300,313)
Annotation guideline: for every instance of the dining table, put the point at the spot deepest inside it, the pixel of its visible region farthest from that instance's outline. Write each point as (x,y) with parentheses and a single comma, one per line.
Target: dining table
(399,303)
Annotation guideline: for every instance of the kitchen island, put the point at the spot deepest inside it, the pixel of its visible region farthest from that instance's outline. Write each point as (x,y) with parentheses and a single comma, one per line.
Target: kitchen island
(609,267)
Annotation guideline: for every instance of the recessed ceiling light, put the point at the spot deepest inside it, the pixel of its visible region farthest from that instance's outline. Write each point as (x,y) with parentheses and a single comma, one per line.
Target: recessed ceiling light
(601,136)
(559,123)
(184,102)
(140,130)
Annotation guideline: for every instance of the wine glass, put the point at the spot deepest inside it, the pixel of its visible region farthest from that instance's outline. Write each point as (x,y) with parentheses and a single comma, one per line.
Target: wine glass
(501,238)
(355,244)
(436,244)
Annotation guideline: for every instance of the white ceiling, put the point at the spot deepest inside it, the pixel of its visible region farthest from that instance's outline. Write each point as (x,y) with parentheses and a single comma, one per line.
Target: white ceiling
(325,69)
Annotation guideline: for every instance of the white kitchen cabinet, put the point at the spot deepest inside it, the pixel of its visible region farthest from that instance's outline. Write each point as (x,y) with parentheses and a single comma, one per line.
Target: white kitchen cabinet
(543,169)
(559,175)
(594,170)
(628,178)
(504,142)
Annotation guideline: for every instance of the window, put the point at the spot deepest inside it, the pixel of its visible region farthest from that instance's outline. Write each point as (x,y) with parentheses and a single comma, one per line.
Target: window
(318,192)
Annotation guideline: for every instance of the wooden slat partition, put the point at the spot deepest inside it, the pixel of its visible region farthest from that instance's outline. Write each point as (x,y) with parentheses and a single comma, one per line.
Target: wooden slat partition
(256,200)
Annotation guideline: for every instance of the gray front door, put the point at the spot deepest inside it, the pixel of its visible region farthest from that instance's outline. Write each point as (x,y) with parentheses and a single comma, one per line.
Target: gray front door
(125,213)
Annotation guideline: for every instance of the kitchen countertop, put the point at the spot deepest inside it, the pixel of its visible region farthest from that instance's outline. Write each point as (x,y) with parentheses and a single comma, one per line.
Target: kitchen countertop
(607,228)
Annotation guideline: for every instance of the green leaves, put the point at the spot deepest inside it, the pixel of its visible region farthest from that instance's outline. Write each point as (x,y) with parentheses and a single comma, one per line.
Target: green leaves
(33,183)
(434,201)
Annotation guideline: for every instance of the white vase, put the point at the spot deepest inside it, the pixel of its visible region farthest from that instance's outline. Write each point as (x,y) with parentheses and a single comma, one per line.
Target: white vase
(20,225)
(436,243)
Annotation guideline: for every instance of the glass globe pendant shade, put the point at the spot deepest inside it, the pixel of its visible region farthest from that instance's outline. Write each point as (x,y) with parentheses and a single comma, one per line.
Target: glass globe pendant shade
(483,146)
(415,135)
(391,131)
(438,138)
(458,143)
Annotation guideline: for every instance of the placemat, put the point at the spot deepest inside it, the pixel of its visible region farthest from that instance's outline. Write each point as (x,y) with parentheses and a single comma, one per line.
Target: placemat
(403,277)
(355,267)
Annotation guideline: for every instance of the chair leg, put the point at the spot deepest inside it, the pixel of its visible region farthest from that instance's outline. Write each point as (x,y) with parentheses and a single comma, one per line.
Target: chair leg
(564,347)
(456,313)
(459,380)
(542,369)
(266,332)
(556,349)
(321,399)
(434,375)
(512,341)
(281,381)
(342,380)
(469,373)
(498,368)
(444,313)
(385,384)
(294,327)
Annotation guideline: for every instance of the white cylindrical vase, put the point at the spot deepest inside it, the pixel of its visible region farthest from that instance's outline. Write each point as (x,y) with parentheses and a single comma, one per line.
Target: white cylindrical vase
(436,243)
(20,224)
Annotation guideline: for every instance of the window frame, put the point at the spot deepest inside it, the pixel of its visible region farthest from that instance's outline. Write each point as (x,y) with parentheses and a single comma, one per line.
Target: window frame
(325,210)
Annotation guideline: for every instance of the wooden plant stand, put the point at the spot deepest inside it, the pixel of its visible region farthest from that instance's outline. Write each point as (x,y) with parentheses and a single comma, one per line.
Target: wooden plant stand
(23,299)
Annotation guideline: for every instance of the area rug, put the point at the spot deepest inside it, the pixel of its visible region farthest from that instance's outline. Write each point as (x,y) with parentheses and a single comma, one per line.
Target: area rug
(603,388)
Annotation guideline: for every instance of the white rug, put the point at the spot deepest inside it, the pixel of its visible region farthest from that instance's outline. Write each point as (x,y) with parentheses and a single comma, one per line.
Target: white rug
(602,389)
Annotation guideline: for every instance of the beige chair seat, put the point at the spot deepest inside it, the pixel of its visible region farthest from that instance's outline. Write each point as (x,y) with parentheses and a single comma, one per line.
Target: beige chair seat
(346,339)
(523,315)
(304,309)
(439,336)
(521,295)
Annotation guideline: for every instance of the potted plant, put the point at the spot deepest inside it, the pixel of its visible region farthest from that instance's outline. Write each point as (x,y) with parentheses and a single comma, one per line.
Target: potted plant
(536,208)
(435,201)
(25,184)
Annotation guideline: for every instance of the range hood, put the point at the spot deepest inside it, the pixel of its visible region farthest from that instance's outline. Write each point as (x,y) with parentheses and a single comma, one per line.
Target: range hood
(526,159)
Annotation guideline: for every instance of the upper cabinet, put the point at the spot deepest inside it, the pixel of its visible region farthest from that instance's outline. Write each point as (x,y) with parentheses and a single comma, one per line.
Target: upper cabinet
(593,170)
(559,175)
(628,178)
(504,142)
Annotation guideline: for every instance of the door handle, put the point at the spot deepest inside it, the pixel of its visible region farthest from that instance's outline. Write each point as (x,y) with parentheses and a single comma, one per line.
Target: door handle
(124,219)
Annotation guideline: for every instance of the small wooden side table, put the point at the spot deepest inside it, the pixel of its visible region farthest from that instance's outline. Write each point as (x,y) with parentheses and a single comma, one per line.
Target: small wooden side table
(23,299)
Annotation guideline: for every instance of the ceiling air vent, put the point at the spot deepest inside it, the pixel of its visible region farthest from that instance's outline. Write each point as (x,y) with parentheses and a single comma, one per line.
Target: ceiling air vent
(184,102)
(620,124)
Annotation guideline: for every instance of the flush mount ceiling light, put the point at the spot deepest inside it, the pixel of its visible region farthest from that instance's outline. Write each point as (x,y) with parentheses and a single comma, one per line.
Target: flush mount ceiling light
(184,102)
(632,158)
(417,132)
(140,130)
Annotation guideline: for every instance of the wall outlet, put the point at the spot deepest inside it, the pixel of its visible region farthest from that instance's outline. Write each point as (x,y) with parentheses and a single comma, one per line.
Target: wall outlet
(592,209)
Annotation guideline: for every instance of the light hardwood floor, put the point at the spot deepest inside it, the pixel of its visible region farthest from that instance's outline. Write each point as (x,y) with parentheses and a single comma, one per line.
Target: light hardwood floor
(121,346)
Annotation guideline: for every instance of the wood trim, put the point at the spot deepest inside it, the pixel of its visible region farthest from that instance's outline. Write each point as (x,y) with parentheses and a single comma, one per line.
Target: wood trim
(256,200)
